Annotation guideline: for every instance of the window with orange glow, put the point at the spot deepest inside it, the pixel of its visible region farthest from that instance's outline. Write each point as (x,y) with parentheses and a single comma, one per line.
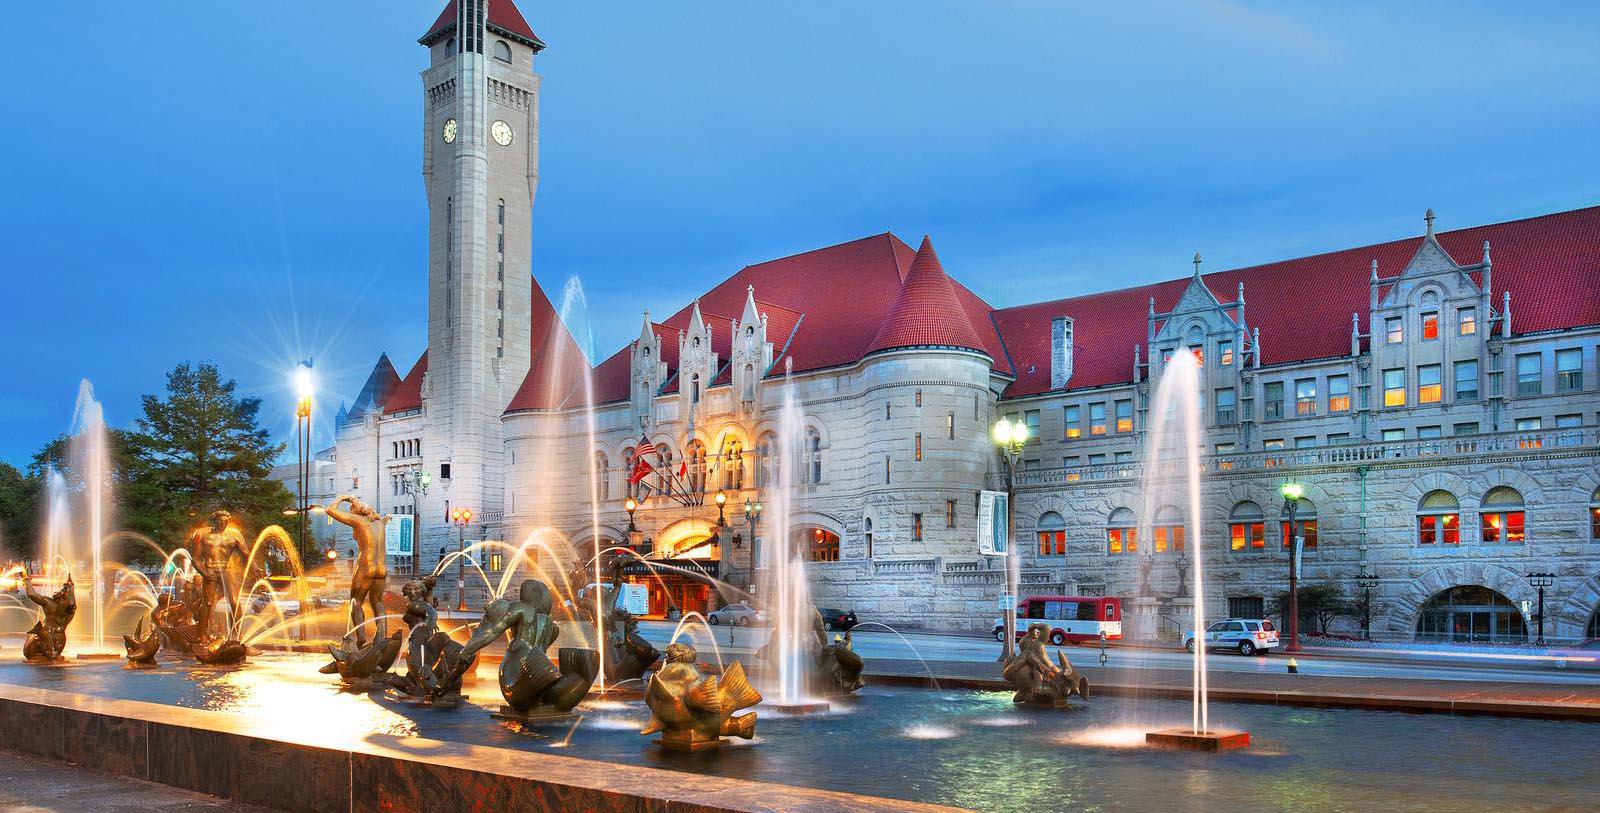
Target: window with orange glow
(1504,528)
(824,546)
(1308,529)
(1430,326)
(1052,543)
(1429,387)
(1394,388)
(1247,535)
(1097,419)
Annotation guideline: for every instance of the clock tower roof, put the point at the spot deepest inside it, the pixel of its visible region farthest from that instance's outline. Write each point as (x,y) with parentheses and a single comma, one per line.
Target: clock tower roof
(504,19)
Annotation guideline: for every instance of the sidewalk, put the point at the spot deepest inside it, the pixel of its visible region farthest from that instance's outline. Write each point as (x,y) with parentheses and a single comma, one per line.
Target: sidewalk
(29,783)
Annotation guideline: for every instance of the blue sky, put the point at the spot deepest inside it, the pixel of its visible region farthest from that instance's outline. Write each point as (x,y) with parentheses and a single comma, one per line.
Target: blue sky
(241,181)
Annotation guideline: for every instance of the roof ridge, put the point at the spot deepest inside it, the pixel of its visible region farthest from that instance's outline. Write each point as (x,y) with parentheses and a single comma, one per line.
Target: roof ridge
(771,260)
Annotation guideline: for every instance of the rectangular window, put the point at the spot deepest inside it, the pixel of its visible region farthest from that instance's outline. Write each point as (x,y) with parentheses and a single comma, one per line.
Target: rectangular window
(1569,370)
(1308,532)
(1429,388)
(919,447)
(1569,421)
(1338,393)
(1247,607)
(1429,432)
(1465,428)
(1123,457)
(1247,536)
(1031,418)
(1272,399)
(886,471)
(1392,435)
(1467,321)
(1052,543)
(1305,396)
(1097,460)
(1305,442)
(1529,373)
(1430,326)
(950,426)
(1125,416)
(1031,464)
(1225,448)
(888,411)
(1097,419)
(1527,424)
(916,527)
(1225,414)
(1225,353)
(949,513)
(1504,527)
(1394,388)
(1337,438)
(1466,381)
(919,399)
(1395,329)
(1070,417)
(1272,443)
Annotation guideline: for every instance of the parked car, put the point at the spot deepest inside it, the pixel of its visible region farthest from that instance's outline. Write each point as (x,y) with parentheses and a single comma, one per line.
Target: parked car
(1248,636)
(835,619)
(739,614)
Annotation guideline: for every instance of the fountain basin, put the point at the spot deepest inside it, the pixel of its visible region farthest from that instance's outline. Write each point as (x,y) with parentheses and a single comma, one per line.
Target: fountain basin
(798,707)
(1184,739)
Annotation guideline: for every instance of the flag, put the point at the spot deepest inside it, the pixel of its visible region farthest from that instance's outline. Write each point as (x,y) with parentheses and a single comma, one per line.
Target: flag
(644,449)
(641,470)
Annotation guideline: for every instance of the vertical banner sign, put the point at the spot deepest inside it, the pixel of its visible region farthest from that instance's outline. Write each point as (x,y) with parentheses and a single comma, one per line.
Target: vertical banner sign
(992,511)
(401,536)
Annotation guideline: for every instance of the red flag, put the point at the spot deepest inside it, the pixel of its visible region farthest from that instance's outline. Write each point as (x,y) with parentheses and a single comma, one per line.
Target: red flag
(641,470)
(683,470)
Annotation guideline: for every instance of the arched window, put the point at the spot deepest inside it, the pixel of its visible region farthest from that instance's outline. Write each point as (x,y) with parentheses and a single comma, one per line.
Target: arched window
(1438,519)
(1470,613)
(732,465)
(1196,339)
(813,468)
(696,452)
(1246,527)
(824,545)
(1121,535)
(749,382)
(1305,515)
(1052,531)
(764,447)
(1502,517)
(694,390)
(1168,529)
(1594,520)
(502,51)
(602,473)
(866,535)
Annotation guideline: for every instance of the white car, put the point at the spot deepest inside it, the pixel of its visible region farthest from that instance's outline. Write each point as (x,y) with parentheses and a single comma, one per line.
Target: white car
(738,614)
(1247,636)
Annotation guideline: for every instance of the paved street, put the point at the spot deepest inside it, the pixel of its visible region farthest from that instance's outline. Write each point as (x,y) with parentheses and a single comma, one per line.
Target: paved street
(30,784)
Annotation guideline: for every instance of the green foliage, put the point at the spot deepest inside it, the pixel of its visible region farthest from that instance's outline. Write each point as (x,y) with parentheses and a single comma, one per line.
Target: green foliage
(1319,605)
(19,499)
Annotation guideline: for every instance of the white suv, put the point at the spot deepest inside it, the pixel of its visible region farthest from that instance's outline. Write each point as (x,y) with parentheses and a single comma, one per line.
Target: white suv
(1249,636)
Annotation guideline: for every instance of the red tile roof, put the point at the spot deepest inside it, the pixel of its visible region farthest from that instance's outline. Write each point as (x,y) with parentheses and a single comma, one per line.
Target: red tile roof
(1550,264)
(557,364)
(503,17)
(926,311)
(408,395)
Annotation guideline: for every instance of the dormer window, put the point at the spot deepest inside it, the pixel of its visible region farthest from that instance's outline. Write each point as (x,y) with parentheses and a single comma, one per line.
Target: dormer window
(502,51)
(749,330)
(1395,330)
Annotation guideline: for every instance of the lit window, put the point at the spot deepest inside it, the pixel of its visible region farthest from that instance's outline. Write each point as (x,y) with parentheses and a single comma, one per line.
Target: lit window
(1394,388)
(1503,517)
(1529,373)
(950,425)
(919,447)
(1247,528)
(1429,389)
(1466,380)
(1124,416)
(1594,516)
(824,546)
(1430,326)
(1439,519)
(1070,416)
(1121,535)
(919,399)
(1305,516)
(1225,353)
(949,513)
(916,527)
(1097,419)
(1272,399)
(1305,396)
(1338,393)
(1052,534)
(1395,330)
(1273,443)
(1467,321)
(1168,530)
(1569,370)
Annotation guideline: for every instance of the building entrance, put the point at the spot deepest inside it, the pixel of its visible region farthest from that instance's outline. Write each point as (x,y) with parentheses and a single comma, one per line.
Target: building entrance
(1470,613)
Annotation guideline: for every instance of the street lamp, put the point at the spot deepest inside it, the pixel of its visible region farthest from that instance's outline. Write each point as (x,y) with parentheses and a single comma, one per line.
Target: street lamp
(420,480)
(631,505)
(1366,580)
(461,517)
(1292,492)
(1010,436)
(752,513)
(305,386)
(722,518)
(1541,581)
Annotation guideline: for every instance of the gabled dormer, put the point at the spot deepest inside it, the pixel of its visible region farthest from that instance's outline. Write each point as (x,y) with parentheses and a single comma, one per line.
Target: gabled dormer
(648,372)
(1200,323)
(752,353)
(1431,269)
(697,364)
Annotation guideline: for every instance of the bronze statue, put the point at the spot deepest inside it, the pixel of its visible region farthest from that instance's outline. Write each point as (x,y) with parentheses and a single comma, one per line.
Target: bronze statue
(528,680)
(628,654)
(358,665)
(143,644)
(176,622)
(48,637)
(832,668)
(429,650)
(371,573)
(213,550)
(1038,681)
(220,653)
(694,711)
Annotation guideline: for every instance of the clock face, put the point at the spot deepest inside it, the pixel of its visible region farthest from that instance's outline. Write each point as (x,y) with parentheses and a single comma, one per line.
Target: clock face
(501,133)
(450,131)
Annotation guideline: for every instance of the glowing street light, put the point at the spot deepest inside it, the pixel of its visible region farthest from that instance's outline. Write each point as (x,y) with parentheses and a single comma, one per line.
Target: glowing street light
(305,390)
(1292,492)
(461,517)
(1010,436)
(631,505)
(722,517)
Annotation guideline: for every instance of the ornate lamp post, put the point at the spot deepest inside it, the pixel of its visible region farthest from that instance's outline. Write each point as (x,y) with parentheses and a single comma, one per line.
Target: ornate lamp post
(1366,580)
(461,517)
(420,480)
(631,505)
(722,517)
(1541,581)
(1009,437)
(305,389)
(752,514)
(1292,492)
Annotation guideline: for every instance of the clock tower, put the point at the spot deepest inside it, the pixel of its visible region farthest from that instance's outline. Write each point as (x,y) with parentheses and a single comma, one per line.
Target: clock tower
(480,162)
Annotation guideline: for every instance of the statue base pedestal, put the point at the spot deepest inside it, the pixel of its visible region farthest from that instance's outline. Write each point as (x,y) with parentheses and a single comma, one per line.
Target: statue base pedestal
(1183,739)
(448,701)
(141,665)
(688,741)
(1183,613)
(1143,622)
(538,716)
(98,656)
(799,707)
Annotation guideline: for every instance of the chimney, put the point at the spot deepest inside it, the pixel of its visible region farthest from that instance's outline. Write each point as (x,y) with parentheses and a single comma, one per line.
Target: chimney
(1060,352)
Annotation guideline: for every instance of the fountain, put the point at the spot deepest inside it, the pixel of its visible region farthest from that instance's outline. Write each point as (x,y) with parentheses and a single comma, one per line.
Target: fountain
(430,652)
(534,688)
(693,711)
(1038,681)
(48,637)
(143,644)
(1175,429)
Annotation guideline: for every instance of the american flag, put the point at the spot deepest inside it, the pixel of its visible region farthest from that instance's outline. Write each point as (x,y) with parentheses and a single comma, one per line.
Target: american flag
(644,449)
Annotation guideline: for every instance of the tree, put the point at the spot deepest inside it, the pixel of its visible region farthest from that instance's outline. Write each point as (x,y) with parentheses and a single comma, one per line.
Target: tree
(1319,605)
(197,450)
(65,458)
(19,508)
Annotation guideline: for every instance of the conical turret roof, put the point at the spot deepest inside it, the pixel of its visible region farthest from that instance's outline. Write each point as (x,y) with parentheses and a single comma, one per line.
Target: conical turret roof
(926,311)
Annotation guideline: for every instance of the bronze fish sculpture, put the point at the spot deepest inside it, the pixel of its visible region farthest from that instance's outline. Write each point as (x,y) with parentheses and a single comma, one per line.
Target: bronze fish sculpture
(695,711)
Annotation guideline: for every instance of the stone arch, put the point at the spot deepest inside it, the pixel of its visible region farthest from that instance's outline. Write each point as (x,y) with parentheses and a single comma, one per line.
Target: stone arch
(818,519)
(1441,481)
(1572,616)
(1502,580)
(1219,512)
(1494,478)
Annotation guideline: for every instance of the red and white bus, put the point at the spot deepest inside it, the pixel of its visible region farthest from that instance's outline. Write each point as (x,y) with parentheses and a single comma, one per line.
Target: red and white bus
(1070,619)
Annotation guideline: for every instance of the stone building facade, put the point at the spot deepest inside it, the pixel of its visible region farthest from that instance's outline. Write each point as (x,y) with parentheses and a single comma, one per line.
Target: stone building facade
(1436,396)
